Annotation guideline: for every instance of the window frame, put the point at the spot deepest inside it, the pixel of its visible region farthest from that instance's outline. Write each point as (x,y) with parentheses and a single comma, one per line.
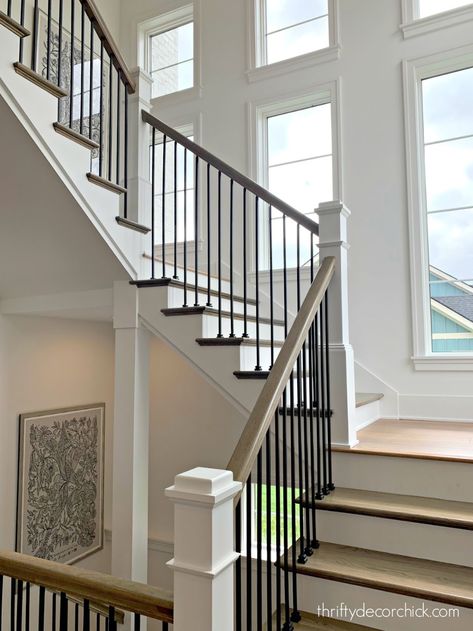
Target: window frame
(167,22)
(260,69)
(414,72)
(413,25)
(259,112)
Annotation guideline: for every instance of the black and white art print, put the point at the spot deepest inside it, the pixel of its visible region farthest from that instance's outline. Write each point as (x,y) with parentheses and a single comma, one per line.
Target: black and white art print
(60,485)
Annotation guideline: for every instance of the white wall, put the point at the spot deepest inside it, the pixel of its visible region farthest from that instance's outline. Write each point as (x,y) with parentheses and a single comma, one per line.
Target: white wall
(373,164)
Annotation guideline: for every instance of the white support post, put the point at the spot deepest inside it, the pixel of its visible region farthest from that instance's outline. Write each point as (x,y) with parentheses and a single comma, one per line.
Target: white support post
(333,218)
(204,551)
(130,438)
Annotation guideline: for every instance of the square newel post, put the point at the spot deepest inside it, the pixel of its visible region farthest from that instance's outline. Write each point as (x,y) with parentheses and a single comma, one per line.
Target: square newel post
(333,219)
(204,551)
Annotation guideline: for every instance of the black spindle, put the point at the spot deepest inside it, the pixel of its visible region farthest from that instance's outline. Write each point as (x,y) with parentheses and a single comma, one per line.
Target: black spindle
(118,135)
(125,156)
(238,599)
(271,287)
(323,409)
(258,350)
(27,606)
(110,117)
(101,109)
(163,208)
(91,78)
(22,22)
(86,616)
(82,60)
(72,68)
(249,568)
(259,540)
(175,210)
(196,231)
(269,563)
(41,599)
(245,280)
(153,200)
(219,253)
(209,278)
(48,43)
(19,606)
(185,228)
(63,614)
(34,43)
(232,319)
(331,485)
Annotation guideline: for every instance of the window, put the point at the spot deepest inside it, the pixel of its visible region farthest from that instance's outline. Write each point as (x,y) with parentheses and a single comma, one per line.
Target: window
(431,7)
(447,105)
(298,169)
(290,28)
(168,48)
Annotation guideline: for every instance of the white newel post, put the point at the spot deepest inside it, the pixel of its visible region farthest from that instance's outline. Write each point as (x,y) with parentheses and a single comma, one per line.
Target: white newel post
(333,217)
(204,552)
(130,438)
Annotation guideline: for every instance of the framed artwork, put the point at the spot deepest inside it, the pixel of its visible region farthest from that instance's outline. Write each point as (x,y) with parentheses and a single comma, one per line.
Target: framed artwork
(71,79)
(60,483)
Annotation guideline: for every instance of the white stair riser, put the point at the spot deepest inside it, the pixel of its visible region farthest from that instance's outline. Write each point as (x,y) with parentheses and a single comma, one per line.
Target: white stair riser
(210,328)
(190,277)
(176,299)
(409,476)
(366,414)
(437,543)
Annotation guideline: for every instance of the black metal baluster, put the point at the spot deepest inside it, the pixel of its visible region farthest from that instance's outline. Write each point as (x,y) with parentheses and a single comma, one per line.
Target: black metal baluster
(209,278)
(19,606)
(259,540)
(22,22)
(319,494)
(1,602)
(110,117)
(219,252)
(271,286)
(295,610)
(12,603)
(269,563)
(48,44)
(76,616)
(163,209)
(331,485)
(60,38)
(311,498)
(97,622)
(196,231)
(238,600)
(302,556)
(82,56)
(27,606)
(71,87)
(34,43)
(245,279)
(258,350)
(232,321)
(54,613)
(112,625)
(9,3)
(137,621)
(284,266)
(125,155)
(249,568)
(175,210)
(91,78)
(165,626)
(287,612)
(118,135)
(41,599)
(101,109)
(323,409)
(86,616)
(63,614)
(153,200)
(278,519)
(185,228)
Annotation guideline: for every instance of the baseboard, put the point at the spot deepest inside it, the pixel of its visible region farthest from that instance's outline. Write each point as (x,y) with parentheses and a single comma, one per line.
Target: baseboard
(436,407)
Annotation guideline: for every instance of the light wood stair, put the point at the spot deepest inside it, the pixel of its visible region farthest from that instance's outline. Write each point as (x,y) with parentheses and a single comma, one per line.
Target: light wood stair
(408,576)
(311,622)
(424,510)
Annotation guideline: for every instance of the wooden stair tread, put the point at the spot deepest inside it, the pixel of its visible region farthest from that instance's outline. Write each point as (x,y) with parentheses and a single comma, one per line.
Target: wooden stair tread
(12,25)
(419,578)
(174,282)
(39,80)
(312,622)
(424,510)
(211,311)
(364,398)
(132,225)
(104,183)
(237,341)
(427,440)
(71,134)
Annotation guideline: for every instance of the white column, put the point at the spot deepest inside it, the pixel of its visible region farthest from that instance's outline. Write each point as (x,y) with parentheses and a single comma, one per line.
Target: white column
(333,218)
(139,185)
(130,438)
(204,551)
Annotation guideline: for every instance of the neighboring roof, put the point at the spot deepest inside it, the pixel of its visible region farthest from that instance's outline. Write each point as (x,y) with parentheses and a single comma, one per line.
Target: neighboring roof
(463,305)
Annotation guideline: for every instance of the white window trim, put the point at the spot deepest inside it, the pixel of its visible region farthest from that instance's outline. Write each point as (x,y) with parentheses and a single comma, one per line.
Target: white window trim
(259,111)
(165,22)
(413,26)
(260,70)
(413,72)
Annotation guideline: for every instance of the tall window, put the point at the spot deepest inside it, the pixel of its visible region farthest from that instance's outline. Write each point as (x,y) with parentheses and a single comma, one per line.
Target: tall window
(293,27)
(299,169)
(448,159)
(171,56)
(430,7)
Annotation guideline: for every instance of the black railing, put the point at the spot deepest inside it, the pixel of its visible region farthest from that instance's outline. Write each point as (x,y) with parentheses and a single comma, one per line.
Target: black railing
(71,49)
(246,234)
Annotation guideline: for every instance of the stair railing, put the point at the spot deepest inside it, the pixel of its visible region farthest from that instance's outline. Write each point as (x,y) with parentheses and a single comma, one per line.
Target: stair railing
(284,458)
(224,238)
(66,47)
(40,594)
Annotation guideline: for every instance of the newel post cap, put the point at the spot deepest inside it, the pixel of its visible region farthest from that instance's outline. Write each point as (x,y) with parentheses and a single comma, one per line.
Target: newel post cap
(333,208)
(204,486)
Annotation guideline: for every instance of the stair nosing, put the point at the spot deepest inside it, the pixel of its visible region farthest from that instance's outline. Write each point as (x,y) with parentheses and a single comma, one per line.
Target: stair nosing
(372,398)
(132,225)
(213,312)
(342,449)
(75,136)
(175,282)
(13,26)
(39,80)
(104,183)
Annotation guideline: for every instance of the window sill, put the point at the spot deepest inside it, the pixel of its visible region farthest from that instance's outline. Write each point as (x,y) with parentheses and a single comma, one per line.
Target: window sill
(325,55)
(181,96)
(442,362)
(437,22)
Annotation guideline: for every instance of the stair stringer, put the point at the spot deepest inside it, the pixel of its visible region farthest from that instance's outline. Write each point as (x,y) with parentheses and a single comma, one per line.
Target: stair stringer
(36,110)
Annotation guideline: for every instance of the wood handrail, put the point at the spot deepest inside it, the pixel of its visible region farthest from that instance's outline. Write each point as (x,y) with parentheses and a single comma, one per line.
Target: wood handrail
(110,46)
(232,173)
(251,440)
(86,584)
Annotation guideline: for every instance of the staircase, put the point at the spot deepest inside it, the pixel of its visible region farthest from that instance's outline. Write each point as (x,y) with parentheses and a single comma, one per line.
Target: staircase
(352,523)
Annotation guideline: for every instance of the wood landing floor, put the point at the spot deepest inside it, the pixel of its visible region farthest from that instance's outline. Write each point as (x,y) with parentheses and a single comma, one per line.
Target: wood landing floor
(433,440)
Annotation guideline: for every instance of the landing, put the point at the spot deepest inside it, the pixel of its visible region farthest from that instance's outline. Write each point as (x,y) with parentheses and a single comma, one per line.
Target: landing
(435,440)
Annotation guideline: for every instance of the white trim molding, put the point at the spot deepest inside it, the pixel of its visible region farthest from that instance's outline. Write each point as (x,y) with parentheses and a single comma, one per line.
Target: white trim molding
(413,25)
(414,71)
(258,69)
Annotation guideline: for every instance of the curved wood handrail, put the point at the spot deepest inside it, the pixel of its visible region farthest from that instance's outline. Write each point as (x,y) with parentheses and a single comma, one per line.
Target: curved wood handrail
(110,46)
(251,440)
(232,173)
(86,584)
